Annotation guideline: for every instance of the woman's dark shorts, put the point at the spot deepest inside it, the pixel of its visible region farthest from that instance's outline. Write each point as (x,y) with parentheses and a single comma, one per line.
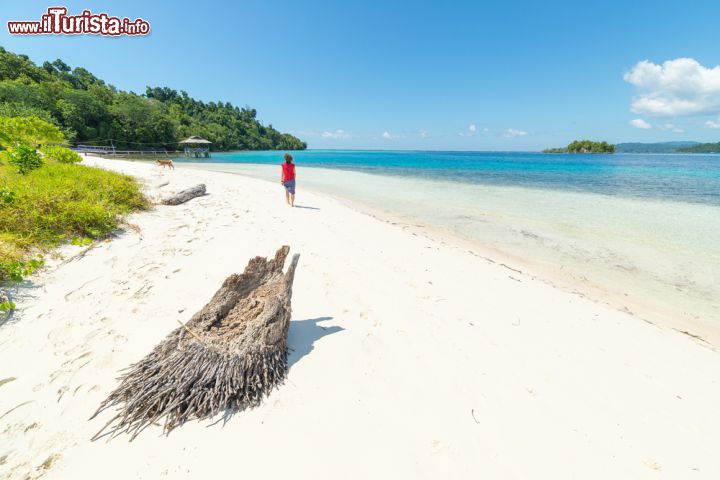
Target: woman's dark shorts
(290,186)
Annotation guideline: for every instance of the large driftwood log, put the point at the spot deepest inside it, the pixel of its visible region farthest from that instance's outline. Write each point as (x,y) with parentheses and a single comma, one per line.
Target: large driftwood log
(229,355)
(185,195)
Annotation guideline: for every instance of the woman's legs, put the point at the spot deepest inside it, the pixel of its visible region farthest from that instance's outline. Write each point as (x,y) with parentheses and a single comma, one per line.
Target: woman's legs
(290,192)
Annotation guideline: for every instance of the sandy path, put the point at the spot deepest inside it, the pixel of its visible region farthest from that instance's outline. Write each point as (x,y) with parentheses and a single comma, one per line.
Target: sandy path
(411,358)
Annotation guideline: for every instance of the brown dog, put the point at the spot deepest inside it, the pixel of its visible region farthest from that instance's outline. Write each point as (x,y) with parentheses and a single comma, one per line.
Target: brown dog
(165,163)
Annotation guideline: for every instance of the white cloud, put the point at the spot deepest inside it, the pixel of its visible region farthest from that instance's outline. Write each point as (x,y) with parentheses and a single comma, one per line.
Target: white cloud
(640,123)
(336,134)
(423,133)
(670,127)
(677,87)
(388,136)
(511,132)
(471,131)
(712,124)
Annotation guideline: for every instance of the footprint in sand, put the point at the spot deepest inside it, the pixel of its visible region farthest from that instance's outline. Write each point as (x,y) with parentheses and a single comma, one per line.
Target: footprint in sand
(47,464)
(31,426)
(7,380)
(74,350)
(93,333)
(142,291)
(70,368)
(61,391)
(70,362)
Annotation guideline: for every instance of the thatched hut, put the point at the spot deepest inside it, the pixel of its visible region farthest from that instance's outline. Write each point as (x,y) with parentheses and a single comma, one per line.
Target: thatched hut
(197,147)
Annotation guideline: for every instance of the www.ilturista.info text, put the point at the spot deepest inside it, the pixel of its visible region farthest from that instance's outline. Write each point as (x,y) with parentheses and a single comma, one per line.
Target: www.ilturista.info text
(57,22)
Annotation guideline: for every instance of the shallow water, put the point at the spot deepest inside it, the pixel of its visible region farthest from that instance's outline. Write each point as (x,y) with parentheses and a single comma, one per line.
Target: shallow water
(639,231)
(689,178)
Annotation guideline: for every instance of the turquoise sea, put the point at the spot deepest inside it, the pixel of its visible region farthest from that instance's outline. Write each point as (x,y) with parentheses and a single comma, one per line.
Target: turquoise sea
(640,232)
(691,178)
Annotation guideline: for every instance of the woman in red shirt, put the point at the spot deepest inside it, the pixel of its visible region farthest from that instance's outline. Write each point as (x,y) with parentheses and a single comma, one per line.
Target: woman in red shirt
(287,178)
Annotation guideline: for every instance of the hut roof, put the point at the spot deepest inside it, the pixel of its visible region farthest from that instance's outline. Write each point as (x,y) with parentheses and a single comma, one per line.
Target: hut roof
(196,139)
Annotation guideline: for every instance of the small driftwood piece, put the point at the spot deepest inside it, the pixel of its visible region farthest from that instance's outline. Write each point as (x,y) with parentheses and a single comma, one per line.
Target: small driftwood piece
(185,195)
(229,355)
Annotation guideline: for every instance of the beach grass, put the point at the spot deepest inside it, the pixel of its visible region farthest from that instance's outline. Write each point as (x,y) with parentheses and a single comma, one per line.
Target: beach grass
(55,204)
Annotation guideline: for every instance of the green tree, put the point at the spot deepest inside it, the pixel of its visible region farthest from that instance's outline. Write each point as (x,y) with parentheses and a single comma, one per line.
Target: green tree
(31,131)
(584,146)
(86,109)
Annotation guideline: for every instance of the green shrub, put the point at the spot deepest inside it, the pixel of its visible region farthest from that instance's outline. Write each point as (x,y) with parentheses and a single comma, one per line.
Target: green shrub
(25,158)
(16,271)
(31,131)
(7,306)
(81,241)
(60,154)
(6,197)
(55,204)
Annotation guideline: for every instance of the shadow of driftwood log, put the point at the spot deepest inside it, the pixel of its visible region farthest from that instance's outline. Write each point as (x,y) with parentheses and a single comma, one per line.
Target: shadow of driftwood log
(304,333)
(301,339)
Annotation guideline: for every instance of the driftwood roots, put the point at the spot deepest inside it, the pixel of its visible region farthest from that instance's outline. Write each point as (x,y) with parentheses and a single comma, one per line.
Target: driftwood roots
(229,355)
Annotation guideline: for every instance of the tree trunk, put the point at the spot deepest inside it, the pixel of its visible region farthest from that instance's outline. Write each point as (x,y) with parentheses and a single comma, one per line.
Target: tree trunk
(185,195)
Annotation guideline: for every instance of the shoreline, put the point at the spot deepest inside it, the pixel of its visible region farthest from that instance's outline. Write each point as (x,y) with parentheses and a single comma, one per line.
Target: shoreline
(697,325)
(400,367)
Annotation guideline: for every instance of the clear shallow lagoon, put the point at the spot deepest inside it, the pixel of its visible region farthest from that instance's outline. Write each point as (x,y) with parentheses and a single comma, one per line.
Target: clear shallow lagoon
(692,178)
(639,231)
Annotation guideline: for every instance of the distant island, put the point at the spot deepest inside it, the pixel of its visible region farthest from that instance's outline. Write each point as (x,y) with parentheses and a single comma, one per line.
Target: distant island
(700,148)
(587,146)
(584,146)
(668,147)
(659,147)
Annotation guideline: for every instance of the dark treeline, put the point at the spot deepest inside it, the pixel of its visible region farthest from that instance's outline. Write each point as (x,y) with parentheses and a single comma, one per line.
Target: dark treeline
(700,148)
(90,111)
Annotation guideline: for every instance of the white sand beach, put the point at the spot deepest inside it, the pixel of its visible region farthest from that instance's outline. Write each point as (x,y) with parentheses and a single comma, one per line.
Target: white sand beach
(411,357)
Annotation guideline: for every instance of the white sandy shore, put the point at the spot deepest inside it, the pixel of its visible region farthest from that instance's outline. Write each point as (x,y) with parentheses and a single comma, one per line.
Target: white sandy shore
(411,357)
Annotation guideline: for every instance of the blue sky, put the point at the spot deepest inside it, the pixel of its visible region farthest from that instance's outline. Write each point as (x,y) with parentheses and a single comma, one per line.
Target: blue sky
(420,75)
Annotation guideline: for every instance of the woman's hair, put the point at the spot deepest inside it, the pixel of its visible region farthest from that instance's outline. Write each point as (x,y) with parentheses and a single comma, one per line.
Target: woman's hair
(288,158)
